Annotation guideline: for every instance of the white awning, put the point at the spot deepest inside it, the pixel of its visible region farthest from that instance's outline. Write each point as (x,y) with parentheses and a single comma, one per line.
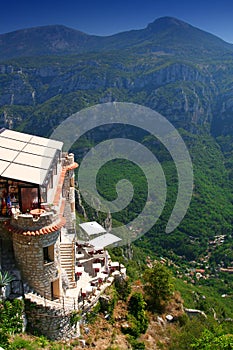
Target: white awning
(26,157)
(92,228)
(25,173)
(3,165)
(105,240)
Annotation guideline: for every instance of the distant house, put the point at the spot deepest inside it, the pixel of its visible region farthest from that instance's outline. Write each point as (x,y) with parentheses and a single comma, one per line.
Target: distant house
(228,269)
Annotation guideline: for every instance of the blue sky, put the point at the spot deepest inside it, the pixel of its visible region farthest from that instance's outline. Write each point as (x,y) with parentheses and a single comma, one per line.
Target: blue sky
(108,17)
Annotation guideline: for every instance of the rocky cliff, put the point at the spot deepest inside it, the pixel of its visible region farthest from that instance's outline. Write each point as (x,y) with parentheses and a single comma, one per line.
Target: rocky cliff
(178,70)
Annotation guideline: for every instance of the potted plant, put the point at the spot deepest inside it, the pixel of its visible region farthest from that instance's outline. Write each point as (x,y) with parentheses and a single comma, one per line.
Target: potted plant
(5,279)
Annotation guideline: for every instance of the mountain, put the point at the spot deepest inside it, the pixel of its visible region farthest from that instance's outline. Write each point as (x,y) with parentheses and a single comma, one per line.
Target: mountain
(186,74)
(48,40)
(166,34)
(170,66)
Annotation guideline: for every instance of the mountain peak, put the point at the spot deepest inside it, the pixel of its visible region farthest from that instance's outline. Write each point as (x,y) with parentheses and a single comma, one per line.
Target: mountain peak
(165,34)
(163,23)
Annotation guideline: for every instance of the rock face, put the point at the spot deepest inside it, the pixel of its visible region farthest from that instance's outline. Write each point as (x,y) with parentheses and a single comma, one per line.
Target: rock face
(170,66)
(177,90)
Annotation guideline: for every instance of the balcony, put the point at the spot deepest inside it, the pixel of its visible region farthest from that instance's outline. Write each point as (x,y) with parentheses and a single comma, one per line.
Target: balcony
(34,220)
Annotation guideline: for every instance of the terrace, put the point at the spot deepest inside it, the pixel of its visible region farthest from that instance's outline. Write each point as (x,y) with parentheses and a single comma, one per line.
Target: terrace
(29,172)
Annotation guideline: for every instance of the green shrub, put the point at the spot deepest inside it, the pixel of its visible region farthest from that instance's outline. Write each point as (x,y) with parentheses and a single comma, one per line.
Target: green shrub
(158,286)
(20,343)
(137,319)
(11,316)
(92,315)
(42,341)
(136,345)
(211,341)
(74,318)
(4,338)
(136,307)
(123,288)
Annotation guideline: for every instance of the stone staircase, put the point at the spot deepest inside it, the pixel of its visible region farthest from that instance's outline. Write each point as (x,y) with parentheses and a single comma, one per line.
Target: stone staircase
(64,303)
(40,310)
(70,223)
(40,300)
(67,260)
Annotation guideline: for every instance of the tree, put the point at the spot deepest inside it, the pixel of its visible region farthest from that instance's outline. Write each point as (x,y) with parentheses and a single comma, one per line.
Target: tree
(211,341)
(137,320)
(123,288)
(136,308)
(158,287)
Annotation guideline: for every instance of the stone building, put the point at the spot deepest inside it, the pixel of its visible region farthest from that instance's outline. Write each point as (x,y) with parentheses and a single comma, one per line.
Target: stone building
(37,215)
(54,272)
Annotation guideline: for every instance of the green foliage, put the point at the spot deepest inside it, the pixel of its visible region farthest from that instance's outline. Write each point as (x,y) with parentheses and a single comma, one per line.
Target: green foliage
(123,288)
(20,343)
(137,319)
(75,317)
(206,297)
(137,309)
(136,345)
(5,278)
(11,323)
(42,341)
(11,316)
(4,337)
(211,341)
(198,333)
(158,286)
(92,315)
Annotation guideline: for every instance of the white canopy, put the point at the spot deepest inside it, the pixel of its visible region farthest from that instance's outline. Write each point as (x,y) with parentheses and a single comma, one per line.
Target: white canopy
(92,228)
(26,157)
(105,240)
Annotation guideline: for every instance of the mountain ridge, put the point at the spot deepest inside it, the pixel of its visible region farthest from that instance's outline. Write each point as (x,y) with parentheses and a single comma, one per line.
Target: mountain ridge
(181,72)
(165,33)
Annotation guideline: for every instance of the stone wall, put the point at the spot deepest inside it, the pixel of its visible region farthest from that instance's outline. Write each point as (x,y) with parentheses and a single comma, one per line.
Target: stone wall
(27,222)
(5,234)
(29,256)
(69,191)
(54,323)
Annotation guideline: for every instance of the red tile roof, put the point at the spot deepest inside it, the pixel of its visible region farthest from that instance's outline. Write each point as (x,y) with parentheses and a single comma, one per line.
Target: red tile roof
(72,166)
(43,231)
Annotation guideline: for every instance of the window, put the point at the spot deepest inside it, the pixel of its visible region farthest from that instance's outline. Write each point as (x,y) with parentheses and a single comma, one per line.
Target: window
(48,254)
(29,198)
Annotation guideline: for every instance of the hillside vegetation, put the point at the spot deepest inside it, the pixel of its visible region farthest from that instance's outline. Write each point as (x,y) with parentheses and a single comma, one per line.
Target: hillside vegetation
(186,75)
